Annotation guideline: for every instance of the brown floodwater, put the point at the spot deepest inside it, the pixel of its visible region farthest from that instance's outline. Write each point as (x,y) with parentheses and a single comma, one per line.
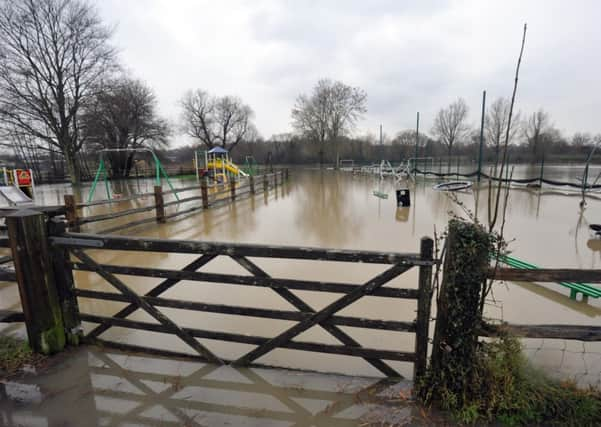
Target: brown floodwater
(110,388)
(339,210)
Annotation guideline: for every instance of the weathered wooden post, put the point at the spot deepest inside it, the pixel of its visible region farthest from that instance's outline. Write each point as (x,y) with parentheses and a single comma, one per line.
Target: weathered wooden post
(251,183)
(71,212)
(65,285)
(233,190)
(28,236)
(422,326)
(159,203)
(458,314)
(265,184)
(286,174)
(204,193)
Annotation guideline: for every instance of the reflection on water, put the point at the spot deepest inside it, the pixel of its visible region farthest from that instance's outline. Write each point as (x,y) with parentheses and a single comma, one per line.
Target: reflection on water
(114,389)
(328,209)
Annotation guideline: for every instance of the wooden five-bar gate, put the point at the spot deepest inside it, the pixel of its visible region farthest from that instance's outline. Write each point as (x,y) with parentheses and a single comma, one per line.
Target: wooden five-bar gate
(62,252)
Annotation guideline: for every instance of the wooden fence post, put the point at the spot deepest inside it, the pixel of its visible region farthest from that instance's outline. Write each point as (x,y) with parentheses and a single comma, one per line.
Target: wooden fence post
(65,285)
(265,184)
(233,189)
(71,212)
(424,301)
(28,236)
(204,193)
(286,174)
(251,183)
(159,203)
(458,315)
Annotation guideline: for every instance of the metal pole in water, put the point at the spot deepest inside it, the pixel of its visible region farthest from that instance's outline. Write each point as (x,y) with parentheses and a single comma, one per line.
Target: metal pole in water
(481,135)
(416,144)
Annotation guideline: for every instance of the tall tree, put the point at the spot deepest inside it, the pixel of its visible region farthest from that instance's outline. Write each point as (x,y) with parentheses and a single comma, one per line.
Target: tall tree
(331,111)
(52,55)
(450,125)
(217,121)
(538,131)
(496,122)
(123,115)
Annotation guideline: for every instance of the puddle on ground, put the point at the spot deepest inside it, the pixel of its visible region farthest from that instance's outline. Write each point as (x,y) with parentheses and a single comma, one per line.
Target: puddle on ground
(90,386)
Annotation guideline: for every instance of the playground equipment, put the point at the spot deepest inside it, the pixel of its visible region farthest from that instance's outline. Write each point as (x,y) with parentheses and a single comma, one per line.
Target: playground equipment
(102,172)
(217,164)
(452,186)
(250,166)
(17,186)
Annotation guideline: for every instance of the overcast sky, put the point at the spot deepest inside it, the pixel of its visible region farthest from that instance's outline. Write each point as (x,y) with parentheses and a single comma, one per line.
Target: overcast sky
(408,58)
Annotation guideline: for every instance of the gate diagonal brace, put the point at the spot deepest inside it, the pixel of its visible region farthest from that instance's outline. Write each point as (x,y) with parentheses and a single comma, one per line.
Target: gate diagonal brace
(285,337)
(298,303)
(162,287)
(135,299)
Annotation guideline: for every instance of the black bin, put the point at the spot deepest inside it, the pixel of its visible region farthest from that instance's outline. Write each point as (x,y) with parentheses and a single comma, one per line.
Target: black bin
(403,198)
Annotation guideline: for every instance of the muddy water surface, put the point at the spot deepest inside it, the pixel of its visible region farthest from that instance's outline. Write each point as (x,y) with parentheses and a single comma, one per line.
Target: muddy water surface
(329,209)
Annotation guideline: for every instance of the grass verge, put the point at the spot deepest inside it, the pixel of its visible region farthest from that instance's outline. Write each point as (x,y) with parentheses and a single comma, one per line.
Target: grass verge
(504,388)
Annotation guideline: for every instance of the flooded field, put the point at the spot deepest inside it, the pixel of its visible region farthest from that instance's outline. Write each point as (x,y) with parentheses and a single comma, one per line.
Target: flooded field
(338,210)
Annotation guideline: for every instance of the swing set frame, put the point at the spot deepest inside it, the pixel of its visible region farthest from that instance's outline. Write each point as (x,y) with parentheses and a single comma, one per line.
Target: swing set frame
(101,171)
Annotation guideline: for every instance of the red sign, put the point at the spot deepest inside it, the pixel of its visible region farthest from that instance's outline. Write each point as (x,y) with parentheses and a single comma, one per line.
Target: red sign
(23,177)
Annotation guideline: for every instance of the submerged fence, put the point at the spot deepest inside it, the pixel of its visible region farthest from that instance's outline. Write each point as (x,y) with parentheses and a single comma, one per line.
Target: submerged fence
(215,195)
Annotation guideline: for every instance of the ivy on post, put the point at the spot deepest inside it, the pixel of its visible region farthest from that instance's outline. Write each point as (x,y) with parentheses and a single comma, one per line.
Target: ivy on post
(28,236)
(458,314)
(65,285)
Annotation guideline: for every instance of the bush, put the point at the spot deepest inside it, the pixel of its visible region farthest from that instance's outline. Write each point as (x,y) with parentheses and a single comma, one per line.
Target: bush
(505,388)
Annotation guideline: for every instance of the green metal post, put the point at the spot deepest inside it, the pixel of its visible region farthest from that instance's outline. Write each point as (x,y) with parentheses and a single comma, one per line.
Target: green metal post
(160,168)
(96,178)
(481,135)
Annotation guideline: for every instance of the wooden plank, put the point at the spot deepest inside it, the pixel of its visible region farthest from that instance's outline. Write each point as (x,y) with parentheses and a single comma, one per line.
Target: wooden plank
(237,249)
(323,314)
(336,332)
(156,291)
(9,316)
(423,311)
(127,225)
(546,275)
(254,340)
(135,299)
(114,215)
(231,279)
(4,242)
(356,322)
(566,332)
(5,259)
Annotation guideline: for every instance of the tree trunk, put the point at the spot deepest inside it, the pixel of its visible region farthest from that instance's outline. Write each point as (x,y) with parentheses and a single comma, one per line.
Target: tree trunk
(72,167)
(449,158)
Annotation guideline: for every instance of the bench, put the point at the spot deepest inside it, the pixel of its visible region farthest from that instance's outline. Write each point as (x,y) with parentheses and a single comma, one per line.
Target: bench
(575,288)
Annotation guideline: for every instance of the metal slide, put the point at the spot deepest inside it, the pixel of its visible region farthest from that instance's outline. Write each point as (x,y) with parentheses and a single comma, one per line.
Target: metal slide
(15,196)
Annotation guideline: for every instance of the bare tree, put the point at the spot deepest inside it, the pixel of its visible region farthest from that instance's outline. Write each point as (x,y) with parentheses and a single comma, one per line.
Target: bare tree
(450,125)
(331,111)
(496,122)
(52,55)
(123,115)
(538,131)
(217,121)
